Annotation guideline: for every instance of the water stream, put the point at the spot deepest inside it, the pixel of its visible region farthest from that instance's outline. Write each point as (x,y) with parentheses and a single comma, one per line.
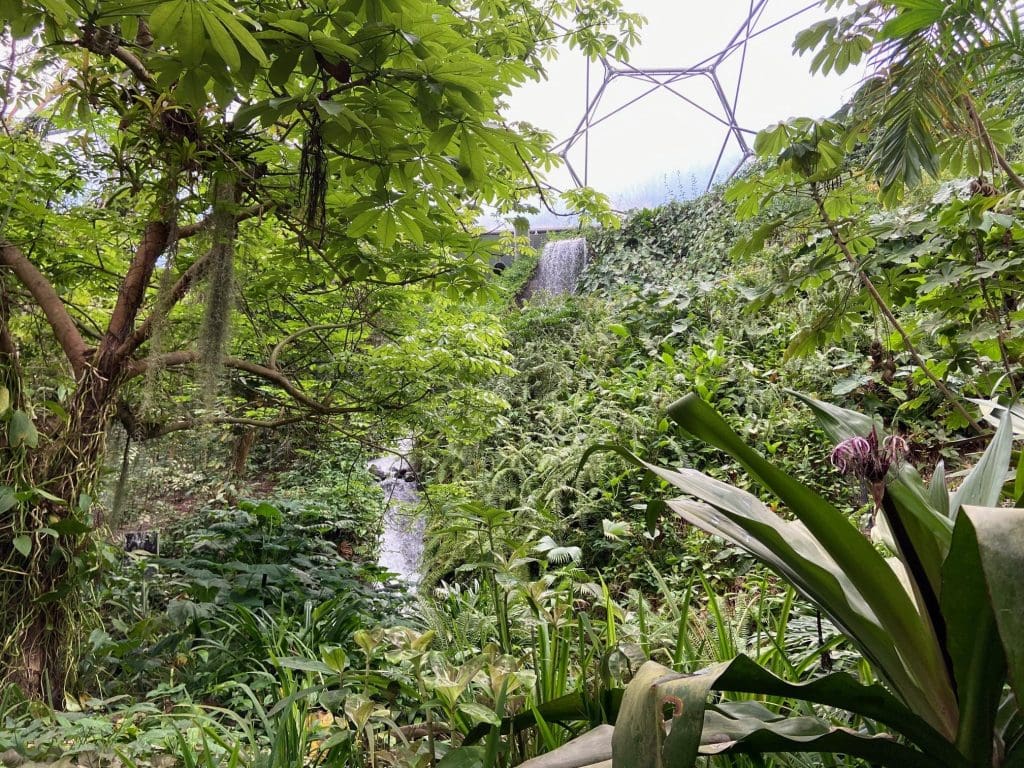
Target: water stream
(401,541)
(558,271)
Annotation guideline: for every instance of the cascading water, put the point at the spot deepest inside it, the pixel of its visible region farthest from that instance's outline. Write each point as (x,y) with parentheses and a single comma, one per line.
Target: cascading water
(401,541)
(558,271)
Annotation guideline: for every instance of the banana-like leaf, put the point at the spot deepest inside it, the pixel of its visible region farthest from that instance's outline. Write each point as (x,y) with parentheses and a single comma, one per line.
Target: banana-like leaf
(789,549)
(972,641)
(912,633)
(1000,535)
(641,740)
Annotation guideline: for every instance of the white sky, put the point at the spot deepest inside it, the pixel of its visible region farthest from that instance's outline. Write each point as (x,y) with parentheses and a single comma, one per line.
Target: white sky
(647,152)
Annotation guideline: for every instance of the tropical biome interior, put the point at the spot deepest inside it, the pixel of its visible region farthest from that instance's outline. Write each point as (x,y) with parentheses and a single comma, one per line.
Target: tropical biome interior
(316,449)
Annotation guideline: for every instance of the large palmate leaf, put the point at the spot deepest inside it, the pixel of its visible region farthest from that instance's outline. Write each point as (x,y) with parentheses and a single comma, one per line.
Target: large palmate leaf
(641,741)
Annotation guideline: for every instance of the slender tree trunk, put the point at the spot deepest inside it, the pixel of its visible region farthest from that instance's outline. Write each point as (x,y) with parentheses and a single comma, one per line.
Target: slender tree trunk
(240,454)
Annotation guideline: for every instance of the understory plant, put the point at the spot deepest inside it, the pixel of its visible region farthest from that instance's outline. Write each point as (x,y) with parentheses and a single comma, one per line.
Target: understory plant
(938,611)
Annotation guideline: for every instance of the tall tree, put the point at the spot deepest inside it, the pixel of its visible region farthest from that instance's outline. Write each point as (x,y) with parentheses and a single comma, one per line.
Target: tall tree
(306,157)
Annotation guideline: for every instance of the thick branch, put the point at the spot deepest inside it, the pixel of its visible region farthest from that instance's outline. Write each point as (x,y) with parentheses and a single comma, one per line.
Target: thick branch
(133,292)
(46,297)
(178,426)
(177,292)
(186,357)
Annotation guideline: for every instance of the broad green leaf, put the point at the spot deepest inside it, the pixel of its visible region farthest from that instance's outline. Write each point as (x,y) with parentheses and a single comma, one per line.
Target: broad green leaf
(304,665)
(478,713)
(21,431)
(70,526)
(165,18)
(1000,534)
(8,498)
(464,757)
(221,40)
(839,423)
(242,36)
(877,584)
(640,740)
(983,485)
(23,544)
(972,640)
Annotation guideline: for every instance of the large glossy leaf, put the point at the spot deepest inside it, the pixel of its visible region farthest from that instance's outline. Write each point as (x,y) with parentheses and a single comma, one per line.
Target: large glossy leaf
(1000,534)
(640,739)
(972,641)
(879,586)
(787,548)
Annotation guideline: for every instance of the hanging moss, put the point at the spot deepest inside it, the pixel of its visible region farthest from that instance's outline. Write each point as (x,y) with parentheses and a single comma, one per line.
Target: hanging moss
(220,278)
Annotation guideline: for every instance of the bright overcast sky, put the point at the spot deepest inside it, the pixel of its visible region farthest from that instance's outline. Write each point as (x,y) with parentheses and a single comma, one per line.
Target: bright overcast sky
(651,148)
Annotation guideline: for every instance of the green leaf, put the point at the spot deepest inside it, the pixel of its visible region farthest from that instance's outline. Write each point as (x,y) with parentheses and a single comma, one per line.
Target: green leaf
(920,676)
(21,431)
(640,740)
(23,544)
(221,40)
(464,757)
(165,18)
(191,39)
(1000,535)
(242,36)
(70,526)
(8,498)
(984,484)
(304,665)
(478,713)
(5,400)
(972,640)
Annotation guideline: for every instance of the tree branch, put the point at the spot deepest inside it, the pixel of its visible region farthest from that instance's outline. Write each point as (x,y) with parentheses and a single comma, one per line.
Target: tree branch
(186,357)
(178,426)
(133,293)
(48,300)
(272,360)
(190,230)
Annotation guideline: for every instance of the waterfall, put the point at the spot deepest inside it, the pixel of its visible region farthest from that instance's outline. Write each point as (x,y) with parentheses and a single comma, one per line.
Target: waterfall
(558,271)
(401,541)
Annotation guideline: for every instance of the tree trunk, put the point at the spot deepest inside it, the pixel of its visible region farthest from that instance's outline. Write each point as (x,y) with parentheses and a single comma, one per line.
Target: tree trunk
(240,453)
(43,594)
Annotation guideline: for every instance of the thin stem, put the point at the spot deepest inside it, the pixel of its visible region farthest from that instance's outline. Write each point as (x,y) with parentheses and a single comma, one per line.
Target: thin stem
(869,286)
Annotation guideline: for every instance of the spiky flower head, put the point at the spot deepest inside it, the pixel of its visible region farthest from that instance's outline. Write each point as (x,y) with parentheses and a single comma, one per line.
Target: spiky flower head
(863,457)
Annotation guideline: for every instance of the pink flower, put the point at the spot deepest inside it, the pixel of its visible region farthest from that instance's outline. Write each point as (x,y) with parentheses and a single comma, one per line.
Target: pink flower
(864,458)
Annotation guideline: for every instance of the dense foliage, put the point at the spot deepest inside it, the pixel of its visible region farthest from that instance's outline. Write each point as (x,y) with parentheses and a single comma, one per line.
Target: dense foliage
(237,246)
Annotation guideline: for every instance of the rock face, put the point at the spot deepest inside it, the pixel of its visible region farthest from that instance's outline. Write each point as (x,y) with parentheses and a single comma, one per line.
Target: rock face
(401,541)
(558,271)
